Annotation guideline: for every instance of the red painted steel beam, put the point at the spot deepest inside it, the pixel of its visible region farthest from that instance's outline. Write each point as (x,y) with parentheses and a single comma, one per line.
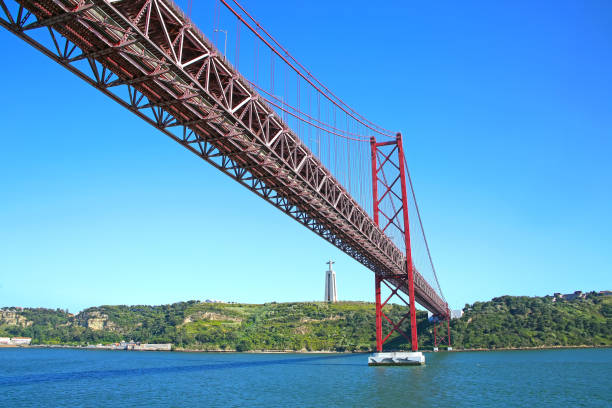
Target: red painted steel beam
(409,263)
(379,340)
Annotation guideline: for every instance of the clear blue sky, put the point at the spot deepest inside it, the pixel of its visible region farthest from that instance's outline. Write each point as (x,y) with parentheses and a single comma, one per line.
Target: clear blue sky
(506,108)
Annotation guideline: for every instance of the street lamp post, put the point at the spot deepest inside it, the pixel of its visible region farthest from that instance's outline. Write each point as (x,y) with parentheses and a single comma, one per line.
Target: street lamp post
(225,47)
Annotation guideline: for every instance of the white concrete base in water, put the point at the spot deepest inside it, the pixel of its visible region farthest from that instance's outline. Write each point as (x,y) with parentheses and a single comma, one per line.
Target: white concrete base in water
(435,349)
(450,349)
(397,358)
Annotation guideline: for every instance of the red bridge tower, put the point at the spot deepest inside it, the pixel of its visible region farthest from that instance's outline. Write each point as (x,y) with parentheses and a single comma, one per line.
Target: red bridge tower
(387,170)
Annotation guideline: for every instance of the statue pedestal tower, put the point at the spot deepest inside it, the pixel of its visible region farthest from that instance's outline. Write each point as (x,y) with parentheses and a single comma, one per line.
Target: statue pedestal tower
(331,295)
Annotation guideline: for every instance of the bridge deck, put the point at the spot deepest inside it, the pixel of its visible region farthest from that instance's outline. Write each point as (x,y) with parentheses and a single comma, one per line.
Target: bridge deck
(149,57)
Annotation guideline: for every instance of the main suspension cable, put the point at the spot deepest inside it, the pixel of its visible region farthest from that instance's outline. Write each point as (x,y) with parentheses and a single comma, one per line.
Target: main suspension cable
(416,205)
(390,133)
(332,98)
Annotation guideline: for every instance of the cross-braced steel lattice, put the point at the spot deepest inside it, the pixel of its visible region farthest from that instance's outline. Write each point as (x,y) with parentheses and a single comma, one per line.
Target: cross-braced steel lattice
(444,337)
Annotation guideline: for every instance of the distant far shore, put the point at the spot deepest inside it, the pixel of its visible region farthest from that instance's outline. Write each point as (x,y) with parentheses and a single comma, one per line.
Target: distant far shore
(186,350)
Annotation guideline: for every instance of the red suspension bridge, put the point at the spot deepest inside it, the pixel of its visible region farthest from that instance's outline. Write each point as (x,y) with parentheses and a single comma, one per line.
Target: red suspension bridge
(258,115)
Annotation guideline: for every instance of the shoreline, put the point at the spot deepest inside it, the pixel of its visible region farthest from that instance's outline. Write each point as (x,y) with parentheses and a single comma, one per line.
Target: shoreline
(582,346)
(185,350)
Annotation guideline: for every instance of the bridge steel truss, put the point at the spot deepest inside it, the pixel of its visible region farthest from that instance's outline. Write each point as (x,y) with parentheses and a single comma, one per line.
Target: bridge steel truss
(148,56)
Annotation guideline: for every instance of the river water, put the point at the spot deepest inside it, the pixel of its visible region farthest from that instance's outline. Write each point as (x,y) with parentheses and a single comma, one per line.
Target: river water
(89,378)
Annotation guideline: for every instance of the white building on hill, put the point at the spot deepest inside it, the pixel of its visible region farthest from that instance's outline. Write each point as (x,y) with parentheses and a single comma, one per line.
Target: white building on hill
(21,341)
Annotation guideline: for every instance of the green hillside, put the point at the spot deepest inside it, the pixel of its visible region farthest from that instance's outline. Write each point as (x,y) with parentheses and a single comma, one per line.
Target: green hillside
(510,321)
(346,326)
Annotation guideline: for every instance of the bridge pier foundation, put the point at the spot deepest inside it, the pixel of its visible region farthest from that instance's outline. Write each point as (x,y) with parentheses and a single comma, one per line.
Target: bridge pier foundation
(396,358)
